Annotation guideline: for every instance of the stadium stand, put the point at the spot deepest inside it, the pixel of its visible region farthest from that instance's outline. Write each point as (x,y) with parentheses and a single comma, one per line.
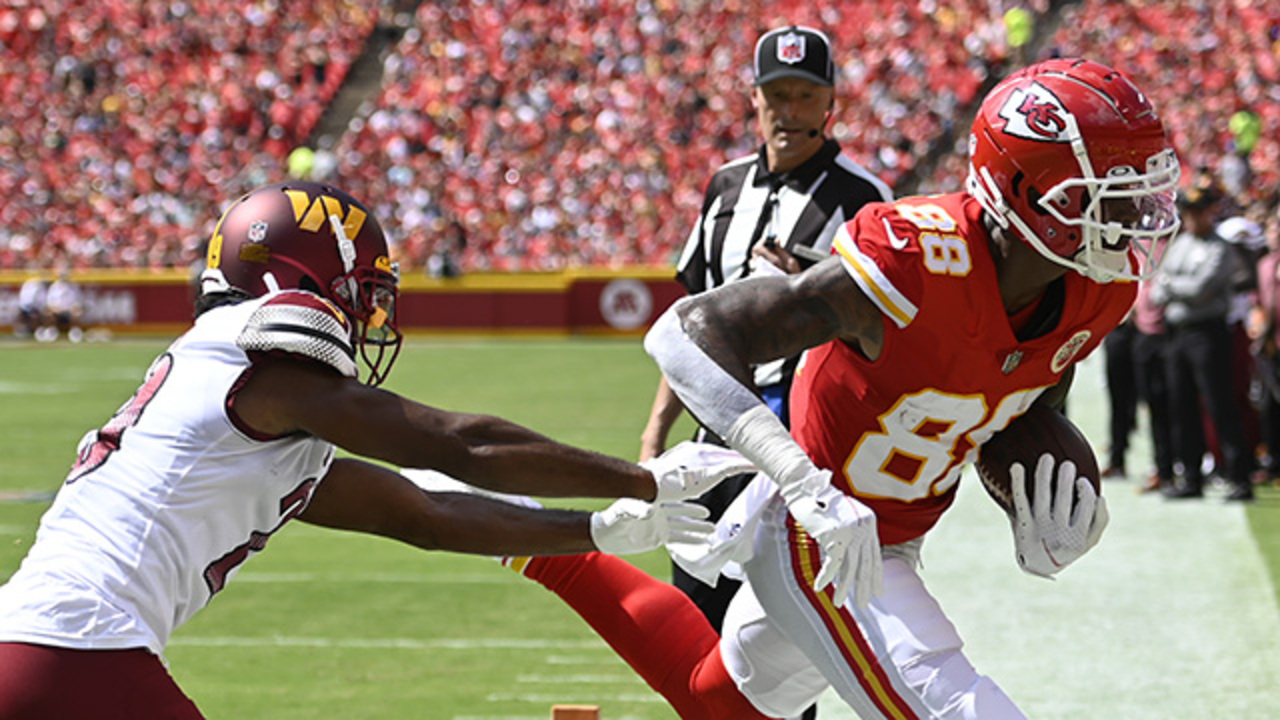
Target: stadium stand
(1205,61)
(541,135)
(122,119)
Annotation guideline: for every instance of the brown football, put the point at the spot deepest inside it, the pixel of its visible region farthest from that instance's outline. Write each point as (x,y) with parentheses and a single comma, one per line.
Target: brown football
(1040,430)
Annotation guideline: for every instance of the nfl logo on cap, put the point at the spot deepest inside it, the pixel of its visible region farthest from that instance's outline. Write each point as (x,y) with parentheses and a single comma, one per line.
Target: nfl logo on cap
(791,48)
(796,52)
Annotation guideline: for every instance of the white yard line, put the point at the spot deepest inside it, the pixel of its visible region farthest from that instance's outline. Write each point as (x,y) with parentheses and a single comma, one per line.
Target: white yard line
(388,643)
(624,675)
(325,578)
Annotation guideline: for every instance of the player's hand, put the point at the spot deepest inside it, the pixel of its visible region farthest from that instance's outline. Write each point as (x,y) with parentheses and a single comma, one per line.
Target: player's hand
(632,526)
(845,529)
(1061,524)
(691,468)
(773,259)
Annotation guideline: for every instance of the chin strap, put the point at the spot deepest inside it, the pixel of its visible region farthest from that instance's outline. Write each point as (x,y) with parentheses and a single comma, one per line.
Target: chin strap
(347,251)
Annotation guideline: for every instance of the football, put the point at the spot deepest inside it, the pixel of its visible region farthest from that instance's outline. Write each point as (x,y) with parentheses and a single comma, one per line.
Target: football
(1041,429)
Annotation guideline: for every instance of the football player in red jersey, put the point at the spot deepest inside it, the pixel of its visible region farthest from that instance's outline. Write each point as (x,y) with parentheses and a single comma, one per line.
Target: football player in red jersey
(233,434)
(937,323)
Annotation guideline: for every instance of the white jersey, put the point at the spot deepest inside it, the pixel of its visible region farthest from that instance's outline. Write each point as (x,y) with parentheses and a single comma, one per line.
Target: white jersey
(172,495)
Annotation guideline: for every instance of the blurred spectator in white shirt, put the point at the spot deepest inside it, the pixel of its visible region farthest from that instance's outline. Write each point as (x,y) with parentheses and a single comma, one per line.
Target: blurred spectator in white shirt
(65,307)
(31,306)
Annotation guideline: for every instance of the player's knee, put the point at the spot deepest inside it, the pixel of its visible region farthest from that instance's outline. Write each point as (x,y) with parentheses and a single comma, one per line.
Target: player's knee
(717,692)
(950,686)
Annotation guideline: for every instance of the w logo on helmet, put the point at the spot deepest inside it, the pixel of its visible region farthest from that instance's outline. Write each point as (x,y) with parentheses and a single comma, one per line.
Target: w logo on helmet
(314,214)
(1034,113)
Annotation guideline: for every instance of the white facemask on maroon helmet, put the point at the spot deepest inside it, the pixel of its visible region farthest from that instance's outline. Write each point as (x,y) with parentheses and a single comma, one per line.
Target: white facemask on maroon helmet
(314,237)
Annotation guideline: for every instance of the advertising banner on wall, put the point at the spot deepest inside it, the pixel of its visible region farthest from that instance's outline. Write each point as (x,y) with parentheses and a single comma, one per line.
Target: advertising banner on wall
(582,302)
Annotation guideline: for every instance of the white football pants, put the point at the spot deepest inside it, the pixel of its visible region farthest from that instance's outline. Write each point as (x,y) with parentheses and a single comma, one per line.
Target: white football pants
(899,658)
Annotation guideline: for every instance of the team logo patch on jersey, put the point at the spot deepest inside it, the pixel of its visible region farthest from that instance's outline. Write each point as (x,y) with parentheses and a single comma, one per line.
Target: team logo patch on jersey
(1069,350)
(1011,362)
(791,48)
(1034,113)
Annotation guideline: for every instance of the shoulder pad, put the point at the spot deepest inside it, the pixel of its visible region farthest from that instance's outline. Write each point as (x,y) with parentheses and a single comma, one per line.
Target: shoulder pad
(304,324)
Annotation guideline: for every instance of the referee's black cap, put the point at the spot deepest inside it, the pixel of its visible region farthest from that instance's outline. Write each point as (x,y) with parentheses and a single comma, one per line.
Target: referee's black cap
(794,51)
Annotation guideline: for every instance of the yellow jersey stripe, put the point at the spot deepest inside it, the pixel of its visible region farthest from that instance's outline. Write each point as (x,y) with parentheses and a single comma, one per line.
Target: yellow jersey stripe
(867,274)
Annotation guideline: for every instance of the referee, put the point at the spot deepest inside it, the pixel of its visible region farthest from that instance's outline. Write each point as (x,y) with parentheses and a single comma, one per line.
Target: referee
(774,211)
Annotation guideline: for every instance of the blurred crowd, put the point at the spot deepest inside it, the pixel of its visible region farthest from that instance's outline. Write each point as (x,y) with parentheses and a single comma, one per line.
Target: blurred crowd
(582,133)
(125,123)
(516,135)
(1213,69)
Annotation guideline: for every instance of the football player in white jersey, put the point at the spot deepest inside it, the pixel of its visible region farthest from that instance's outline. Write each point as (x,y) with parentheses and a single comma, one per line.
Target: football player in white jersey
(233,433)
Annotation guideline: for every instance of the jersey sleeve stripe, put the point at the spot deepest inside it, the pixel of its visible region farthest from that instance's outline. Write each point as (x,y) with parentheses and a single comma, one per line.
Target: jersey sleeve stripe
(286,329)
(867,274)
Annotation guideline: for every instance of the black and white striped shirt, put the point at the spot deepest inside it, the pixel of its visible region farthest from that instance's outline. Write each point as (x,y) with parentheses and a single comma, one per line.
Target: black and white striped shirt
(801,210)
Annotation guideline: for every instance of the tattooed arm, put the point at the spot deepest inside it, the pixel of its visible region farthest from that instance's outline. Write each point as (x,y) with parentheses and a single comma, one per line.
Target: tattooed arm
(765,318)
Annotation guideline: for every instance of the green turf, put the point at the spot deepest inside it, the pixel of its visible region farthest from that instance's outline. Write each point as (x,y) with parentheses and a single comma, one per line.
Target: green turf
(1264,520)
(332,625)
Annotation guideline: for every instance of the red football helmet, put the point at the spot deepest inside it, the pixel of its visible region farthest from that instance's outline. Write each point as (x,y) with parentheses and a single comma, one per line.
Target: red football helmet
(1072,156)
(315,237)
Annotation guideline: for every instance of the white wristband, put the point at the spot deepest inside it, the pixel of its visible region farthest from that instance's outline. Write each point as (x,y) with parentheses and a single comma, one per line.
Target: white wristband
(762,438)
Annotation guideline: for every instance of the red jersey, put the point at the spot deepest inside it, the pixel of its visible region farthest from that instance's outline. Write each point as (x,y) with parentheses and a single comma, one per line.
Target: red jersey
(951,373)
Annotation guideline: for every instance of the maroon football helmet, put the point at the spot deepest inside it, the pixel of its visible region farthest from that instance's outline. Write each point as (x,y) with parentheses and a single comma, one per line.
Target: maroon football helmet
(314,237)
(1072,156)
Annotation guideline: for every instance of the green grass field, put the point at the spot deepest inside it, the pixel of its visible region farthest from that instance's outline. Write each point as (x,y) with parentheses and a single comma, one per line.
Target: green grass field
(331,625)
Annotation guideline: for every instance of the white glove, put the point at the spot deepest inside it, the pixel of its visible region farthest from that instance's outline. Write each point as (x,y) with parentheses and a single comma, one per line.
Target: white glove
(691,468)
(1052,534)
(632,526)
(845,529)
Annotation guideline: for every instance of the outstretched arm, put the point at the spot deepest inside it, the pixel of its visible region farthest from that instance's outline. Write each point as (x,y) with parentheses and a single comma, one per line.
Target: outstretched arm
(363,497)
(285,394)
(706,344)
(767,318)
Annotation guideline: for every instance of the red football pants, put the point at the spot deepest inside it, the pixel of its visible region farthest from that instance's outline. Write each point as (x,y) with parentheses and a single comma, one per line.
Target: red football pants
(47,683)
(653,626)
